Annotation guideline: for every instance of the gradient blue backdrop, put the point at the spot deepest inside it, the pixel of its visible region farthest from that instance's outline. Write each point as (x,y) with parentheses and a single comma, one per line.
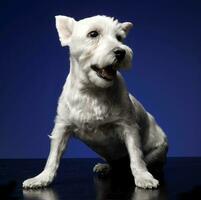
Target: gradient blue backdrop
(166,77)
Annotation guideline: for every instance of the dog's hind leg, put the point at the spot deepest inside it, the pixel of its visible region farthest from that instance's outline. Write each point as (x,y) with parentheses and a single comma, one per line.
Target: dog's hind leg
(160,145)
(158,154)
(156,157)
(59,138)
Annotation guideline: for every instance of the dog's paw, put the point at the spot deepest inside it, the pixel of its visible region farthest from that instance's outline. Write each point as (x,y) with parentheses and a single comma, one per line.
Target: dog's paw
(42,180)
(103,169)
(146,180)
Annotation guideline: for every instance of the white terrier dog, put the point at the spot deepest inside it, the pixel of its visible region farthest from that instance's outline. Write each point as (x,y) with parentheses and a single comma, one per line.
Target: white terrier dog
(95,105)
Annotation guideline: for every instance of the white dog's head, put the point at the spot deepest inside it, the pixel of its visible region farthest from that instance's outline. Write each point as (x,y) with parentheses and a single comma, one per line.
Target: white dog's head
(96,44)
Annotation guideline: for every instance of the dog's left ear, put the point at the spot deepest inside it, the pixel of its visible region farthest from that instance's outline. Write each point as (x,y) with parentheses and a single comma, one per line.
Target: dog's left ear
(64,27)
(126,26)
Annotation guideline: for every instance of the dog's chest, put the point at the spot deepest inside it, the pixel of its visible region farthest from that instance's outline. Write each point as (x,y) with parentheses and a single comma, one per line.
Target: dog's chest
(87,112)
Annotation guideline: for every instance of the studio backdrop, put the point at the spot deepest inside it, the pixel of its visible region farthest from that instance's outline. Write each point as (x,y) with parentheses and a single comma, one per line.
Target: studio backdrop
(165,77)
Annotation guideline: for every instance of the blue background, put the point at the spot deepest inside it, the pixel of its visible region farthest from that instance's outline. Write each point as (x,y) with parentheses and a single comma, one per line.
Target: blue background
(166,76)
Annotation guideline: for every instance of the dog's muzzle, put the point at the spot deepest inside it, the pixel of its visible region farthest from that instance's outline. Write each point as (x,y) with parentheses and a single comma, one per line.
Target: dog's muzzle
(108,73)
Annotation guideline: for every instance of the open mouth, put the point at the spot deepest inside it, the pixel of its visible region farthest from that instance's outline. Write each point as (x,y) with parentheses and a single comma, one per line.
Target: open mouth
(108,73)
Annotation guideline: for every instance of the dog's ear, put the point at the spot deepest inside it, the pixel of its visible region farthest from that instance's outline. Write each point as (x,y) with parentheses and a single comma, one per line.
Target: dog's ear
(64,27)
(126,26)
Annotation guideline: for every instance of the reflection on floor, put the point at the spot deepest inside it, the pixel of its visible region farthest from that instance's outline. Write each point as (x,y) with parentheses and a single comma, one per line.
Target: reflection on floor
(75,181)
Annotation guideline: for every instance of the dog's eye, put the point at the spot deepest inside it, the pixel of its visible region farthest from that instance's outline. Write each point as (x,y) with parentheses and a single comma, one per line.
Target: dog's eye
(93,34)
(119,38)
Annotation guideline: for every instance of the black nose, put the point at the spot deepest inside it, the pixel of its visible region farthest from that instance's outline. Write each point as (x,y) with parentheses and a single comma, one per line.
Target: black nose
(119,53)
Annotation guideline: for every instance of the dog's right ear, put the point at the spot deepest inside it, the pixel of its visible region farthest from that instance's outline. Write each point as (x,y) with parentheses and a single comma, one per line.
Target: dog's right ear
(64,27)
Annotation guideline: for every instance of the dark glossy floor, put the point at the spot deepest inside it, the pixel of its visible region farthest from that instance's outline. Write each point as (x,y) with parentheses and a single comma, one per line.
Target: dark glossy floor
(75,180)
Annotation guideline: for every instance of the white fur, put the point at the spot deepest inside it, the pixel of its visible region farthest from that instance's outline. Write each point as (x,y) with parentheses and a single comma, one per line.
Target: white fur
(99,112)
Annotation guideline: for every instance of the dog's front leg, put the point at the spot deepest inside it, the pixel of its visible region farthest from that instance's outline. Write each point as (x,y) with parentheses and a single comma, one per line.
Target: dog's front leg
(59,138)
(143,178)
